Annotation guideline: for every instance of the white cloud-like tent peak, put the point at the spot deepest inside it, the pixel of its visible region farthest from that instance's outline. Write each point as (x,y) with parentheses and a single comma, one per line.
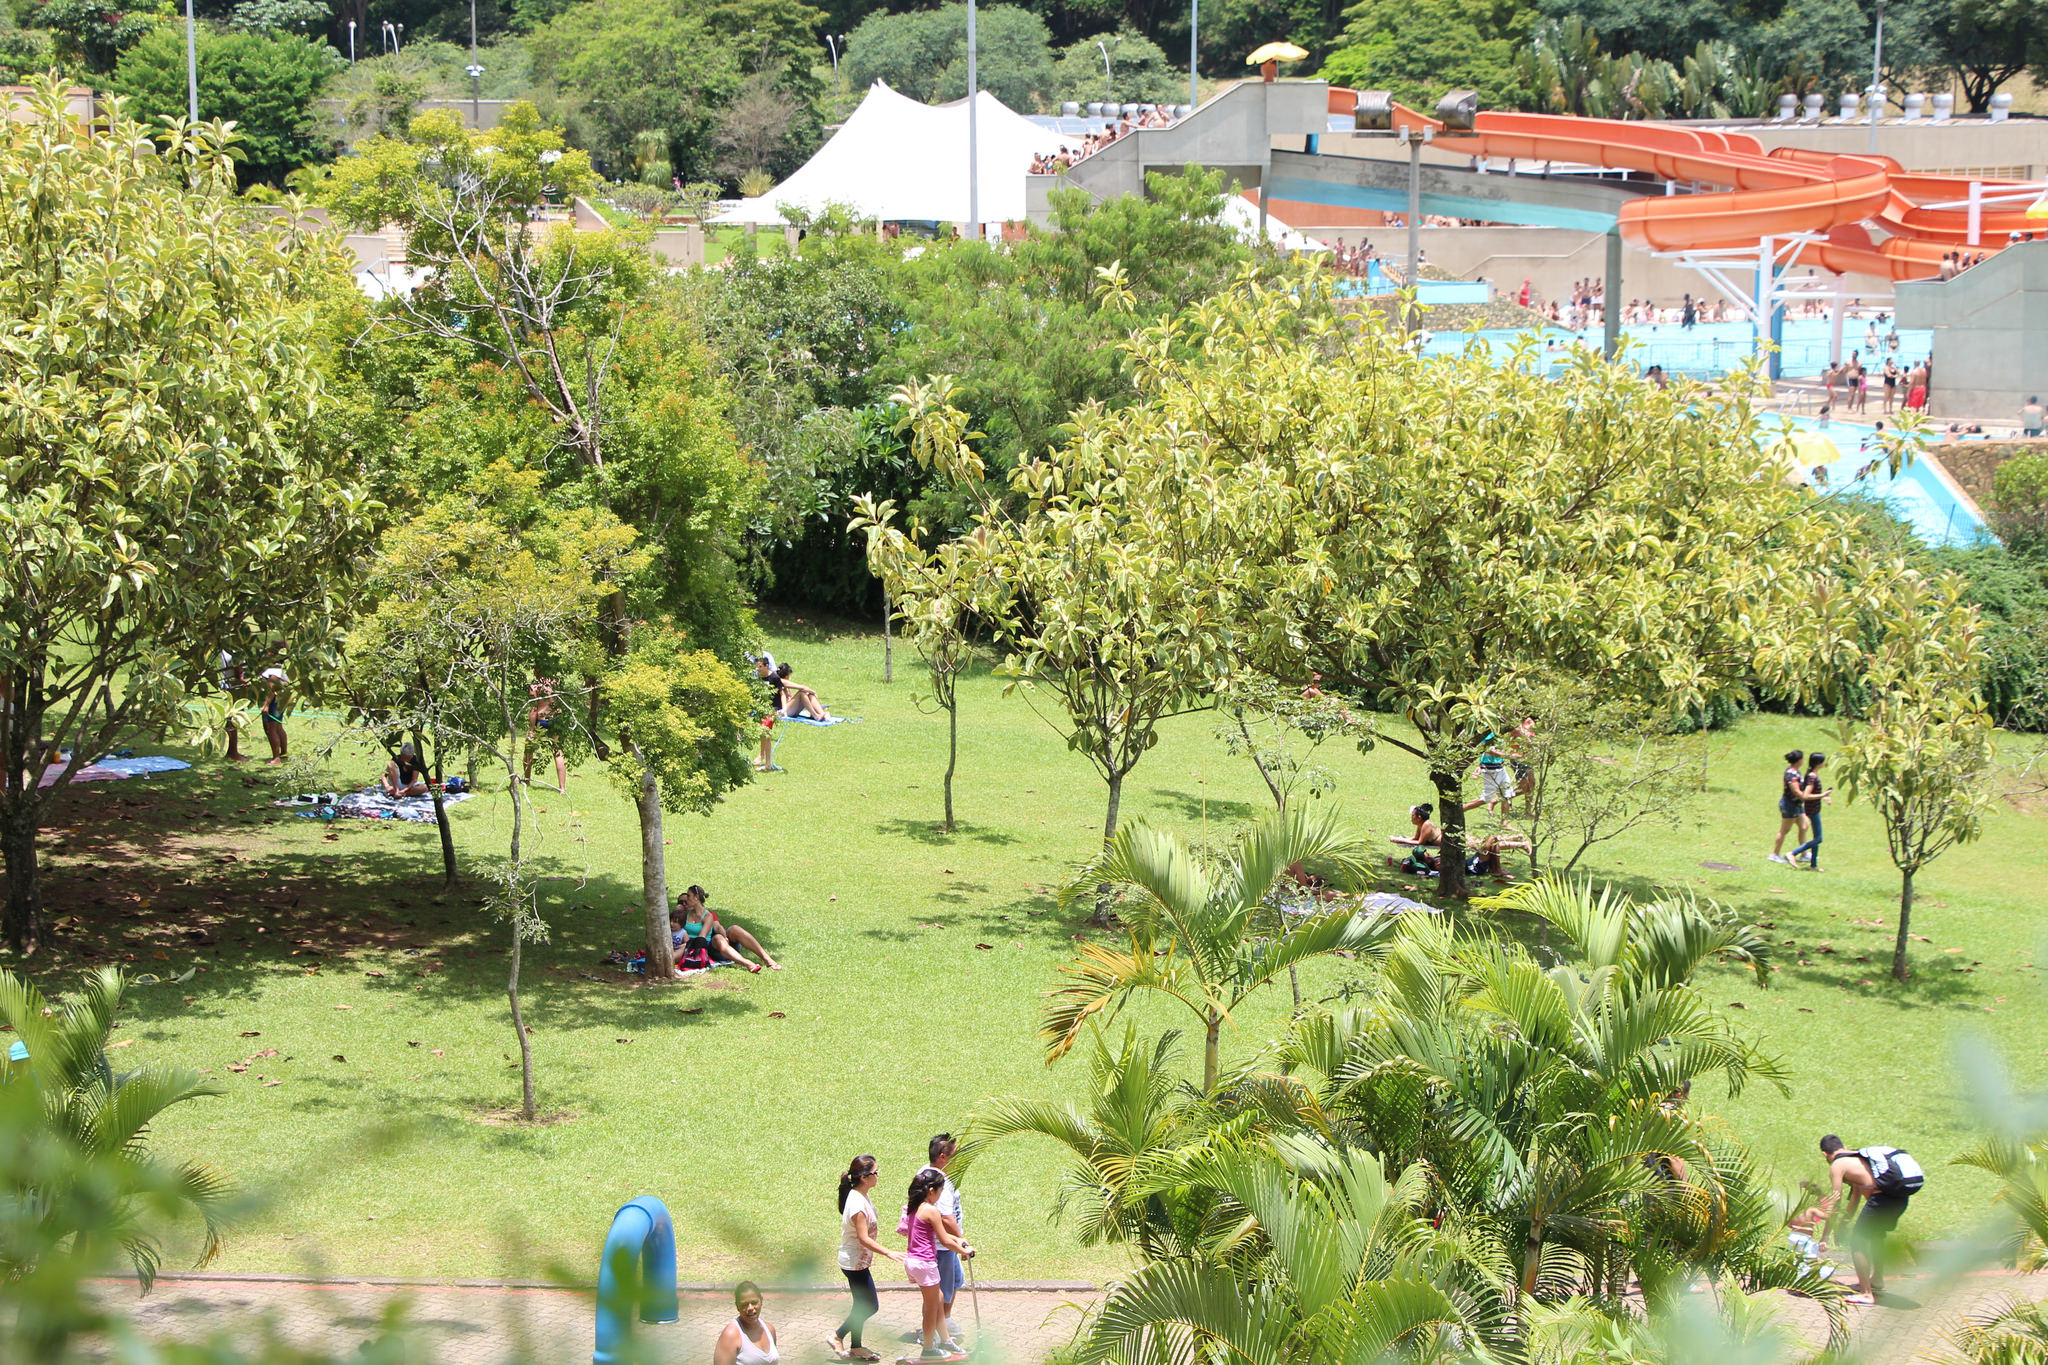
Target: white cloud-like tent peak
(898,160)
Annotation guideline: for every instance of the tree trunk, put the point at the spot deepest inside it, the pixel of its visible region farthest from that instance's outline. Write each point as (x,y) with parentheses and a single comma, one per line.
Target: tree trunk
(654,878)
(1532,1259)
(1899,969)
(889,657)
(19,825)
(952,754)
(419,742)
(1211,1048)
(519,1028)
(1116,799)
(1450,814)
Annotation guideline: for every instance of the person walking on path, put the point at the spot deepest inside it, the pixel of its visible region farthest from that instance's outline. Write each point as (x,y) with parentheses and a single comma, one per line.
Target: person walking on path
(1883,1180)
(1791,804)
(939,1154)
(857,1251)
(1813,795)
(923,1228)
(748,1339)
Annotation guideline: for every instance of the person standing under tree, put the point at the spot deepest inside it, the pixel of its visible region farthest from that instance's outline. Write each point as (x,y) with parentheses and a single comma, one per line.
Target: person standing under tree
(1883,1180)
(273,715)
(542,715)
(857,1251)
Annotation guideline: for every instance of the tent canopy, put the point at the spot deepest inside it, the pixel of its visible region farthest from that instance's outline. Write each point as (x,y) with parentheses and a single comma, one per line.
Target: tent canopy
(898,160)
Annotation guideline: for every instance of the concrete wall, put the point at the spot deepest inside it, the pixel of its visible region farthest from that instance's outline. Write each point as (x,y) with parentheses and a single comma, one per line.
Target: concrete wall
(1990,327)
(2017,147)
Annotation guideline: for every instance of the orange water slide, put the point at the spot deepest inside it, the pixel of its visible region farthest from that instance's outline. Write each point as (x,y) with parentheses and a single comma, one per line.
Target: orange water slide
(1757,195)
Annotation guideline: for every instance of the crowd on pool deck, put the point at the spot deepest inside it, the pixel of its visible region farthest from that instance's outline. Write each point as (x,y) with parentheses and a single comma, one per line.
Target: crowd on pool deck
(1053,163)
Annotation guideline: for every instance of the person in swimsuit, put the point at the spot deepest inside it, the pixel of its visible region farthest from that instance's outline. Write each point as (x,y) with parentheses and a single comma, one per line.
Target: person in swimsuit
(1426,836)
(771,710)
(542,715)
(273,714)
(748,1339)
(1791,804)
(797,700)
(1891,385)
(1851,1175)
(699,921)
(924,1228)
(405,775)
(857,1251)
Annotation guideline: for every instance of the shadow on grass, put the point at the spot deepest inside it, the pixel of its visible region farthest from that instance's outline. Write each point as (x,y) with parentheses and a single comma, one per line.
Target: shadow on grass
(1193,806)
(933,833)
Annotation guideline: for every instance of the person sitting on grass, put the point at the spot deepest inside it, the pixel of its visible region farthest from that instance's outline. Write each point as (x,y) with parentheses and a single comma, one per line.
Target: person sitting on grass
(1426,836)
(404,775)
(695,920)
(799,702)
(1484,859)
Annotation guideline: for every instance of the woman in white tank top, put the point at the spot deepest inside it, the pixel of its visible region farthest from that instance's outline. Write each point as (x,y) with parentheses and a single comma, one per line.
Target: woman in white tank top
(748,1339)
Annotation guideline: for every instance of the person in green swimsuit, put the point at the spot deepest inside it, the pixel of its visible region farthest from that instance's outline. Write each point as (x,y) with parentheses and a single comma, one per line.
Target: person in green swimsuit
(273,681)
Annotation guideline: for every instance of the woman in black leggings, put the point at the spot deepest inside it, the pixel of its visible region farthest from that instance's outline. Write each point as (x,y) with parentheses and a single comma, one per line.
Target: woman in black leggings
(857,1251)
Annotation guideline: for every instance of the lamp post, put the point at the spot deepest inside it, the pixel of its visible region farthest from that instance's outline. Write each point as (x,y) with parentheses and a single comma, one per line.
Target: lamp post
(832,42)
(476,75)
(191,63)
(1108,76)
(1194,40)
(973,147)
(351,42)
(1876,79)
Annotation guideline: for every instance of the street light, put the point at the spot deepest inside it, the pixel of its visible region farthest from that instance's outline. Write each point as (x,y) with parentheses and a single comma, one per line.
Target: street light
(191,63)
(832,42)
(351,42)
(476,74)
(1876,79)
(1108,77)
(1194,38)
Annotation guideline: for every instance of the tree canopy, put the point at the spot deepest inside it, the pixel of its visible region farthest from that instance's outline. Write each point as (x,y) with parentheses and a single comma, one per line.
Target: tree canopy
(267,83)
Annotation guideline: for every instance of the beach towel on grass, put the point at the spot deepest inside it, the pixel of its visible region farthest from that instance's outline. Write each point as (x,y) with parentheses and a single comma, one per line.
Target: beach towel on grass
(806,720)
(372,804)
(114,769)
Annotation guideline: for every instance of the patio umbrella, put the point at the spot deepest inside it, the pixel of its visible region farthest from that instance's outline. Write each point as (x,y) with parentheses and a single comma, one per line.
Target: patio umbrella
(1798,451)
(1276,52)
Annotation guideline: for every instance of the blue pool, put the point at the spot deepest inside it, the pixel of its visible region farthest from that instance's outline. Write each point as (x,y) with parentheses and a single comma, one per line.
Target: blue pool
(1918,495)
(1708,351)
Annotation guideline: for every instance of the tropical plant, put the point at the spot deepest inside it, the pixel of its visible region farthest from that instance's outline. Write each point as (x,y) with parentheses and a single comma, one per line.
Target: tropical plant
(1193,928)
(85,1171)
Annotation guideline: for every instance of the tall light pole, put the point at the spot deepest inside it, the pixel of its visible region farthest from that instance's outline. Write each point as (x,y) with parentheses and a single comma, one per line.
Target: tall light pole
(351,42)
(973,148)
(476,75)
(1194,48)
(832,42)
(1108,76)
(191,63)
(1876,79)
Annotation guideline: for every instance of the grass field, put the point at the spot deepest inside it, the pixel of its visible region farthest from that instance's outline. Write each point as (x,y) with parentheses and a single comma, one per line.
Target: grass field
(916,961)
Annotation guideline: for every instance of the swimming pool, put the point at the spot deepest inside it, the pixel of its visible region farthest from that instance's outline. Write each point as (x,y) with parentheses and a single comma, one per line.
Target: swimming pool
(1918,494)
(1709,350)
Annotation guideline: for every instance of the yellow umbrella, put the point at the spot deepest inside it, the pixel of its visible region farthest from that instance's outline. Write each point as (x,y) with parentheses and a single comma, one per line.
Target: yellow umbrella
(1276,52)
(2039,208)
(1798,451)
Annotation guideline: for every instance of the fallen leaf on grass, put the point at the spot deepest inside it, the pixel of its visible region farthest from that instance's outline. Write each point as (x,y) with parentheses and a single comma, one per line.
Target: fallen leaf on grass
(344,1007)
(694,1009)
(984,945)
(253,1033)
(125,1042)
(622,1040)
(270,1083)
(238,1070)
(373,973)
(1737,1005)
(1803,1010)
(777,1014)
(410,1043)
(439,1053)
(339,1058)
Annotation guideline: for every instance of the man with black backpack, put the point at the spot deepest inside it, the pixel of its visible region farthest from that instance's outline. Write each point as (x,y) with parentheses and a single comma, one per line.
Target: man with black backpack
(1884,1180)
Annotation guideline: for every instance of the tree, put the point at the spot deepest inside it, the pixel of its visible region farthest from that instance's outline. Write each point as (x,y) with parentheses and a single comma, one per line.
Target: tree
(161,494)
(754,131)
(493,587)
(1420,48)
(1601,769)
(580,357)
(938,592)
(94,32)
(1280,729)
(1191,926)
(78,1173)
(2019,503)
(1138,71)
(923,54)
(267,83)
(1280,495)
(1922,754)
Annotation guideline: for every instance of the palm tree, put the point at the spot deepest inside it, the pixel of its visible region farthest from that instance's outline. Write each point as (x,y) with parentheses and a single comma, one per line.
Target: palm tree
(81,1133)
(1139,1110)
(1192,926)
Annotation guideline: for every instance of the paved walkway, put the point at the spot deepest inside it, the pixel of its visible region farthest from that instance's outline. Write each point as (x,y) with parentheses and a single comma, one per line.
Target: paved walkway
(477,1324)
(490,1324)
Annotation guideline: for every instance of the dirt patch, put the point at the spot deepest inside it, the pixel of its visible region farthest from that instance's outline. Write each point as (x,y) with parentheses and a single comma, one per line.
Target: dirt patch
(506,1116)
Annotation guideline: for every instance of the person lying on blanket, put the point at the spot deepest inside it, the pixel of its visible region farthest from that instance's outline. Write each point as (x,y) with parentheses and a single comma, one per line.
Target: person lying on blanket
(692,922)
(404,775)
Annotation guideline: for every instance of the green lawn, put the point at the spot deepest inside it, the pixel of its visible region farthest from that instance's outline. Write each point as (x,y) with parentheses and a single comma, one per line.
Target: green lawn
(916,962)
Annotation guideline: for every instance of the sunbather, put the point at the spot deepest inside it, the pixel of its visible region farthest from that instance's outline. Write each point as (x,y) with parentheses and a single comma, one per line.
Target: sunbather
(696,920)
(1426,836)
(799,701)
(404,775)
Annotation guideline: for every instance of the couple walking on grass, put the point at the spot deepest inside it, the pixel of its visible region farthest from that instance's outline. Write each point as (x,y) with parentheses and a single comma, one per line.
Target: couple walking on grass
(1800,796)
(932,1258)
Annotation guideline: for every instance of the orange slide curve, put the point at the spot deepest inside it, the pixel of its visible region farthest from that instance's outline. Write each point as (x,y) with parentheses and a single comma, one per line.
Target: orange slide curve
(1782,193)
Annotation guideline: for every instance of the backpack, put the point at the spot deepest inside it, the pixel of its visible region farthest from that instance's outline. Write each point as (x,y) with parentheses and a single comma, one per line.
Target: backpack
(694,955)
(1894,1171)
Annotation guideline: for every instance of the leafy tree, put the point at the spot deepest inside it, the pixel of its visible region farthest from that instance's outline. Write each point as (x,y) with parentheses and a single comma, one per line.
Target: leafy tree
(1138,71)
(1669,30)
(1279,729)
(1191,927)
(923,53)
(267,83)
(1601,769)
(152,514)
(1420,48)
(94,32)
(280,16)
(78,1172)
(1923,752)
(24,53)
(2019,503)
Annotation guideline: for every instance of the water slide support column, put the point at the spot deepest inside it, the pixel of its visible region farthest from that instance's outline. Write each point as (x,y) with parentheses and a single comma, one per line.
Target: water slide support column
(1610,310)
(1835,325)
(1766,261)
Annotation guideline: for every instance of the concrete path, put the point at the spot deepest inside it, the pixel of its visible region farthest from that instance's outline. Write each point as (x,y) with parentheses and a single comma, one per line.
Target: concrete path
(492,1324)
(478,1324)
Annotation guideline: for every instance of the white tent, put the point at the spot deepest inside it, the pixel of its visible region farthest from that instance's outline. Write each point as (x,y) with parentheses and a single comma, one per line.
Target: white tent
(1243,215)
(898,160)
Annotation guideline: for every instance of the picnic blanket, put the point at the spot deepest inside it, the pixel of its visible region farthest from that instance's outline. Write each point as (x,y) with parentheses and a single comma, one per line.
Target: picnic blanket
(114,769)
(821,724)
(372,804)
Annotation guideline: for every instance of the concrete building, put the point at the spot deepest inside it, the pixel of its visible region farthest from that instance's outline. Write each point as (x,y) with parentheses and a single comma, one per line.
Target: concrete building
(1990,327)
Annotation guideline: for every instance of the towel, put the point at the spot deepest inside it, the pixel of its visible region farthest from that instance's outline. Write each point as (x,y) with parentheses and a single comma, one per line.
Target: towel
(114,769)
(806,720)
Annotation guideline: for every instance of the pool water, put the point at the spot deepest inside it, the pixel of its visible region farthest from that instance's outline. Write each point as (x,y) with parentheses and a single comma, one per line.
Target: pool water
(1711,349)
(1917,494)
